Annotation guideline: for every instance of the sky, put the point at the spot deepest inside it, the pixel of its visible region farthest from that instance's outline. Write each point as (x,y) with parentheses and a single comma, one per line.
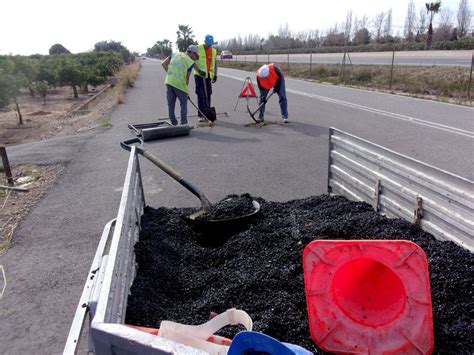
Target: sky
(32,26)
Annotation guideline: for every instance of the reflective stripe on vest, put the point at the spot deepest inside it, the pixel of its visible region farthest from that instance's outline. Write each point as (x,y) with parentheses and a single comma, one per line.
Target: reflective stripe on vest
(177,71)
(270,81)
(202,64)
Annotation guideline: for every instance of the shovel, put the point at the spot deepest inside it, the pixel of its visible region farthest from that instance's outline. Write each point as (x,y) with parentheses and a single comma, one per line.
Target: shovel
(257,120)
(210,112)
(205,204)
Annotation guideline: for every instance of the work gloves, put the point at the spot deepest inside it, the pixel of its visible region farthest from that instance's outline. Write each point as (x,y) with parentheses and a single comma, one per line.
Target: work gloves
(214,79)
(203,73)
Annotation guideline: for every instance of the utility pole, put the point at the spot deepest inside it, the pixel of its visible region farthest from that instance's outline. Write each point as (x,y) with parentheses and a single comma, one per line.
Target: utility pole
(391,70)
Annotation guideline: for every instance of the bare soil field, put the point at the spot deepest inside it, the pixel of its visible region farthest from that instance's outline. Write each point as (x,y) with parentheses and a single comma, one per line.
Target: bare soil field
(45,120)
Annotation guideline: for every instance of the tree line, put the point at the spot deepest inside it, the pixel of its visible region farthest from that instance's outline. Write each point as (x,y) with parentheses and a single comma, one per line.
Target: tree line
(162,49)
(359,31)
(38,73)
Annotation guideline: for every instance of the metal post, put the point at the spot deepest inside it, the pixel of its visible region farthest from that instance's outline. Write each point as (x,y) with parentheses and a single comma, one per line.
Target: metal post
(344,67)
(256,58)
(310,61)
(470,79)
(391,70)
(6,165)
(268,57)
(288,65)
(245,58)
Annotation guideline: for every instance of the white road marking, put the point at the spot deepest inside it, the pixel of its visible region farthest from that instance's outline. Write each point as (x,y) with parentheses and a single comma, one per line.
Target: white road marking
(393,115)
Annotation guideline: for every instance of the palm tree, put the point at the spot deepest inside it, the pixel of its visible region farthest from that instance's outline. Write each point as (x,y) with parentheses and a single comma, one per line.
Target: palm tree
(185,37)
(432,8)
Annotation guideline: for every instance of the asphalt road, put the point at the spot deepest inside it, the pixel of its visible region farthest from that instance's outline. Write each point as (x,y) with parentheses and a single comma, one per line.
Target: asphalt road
(460,58)
(55,243)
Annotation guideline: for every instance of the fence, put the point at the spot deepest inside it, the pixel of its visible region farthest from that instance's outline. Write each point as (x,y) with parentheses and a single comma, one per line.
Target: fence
(350,68)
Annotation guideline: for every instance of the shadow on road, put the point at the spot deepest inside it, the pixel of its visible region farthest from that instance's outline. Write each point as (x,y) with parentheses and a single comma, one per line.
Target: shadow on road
(213,137)
(308,129)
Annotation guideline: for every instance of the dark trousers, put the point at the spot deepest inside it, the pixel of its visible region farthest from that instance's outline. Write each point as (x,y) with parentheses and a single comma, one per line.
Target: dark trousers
(201,94)
(282,100)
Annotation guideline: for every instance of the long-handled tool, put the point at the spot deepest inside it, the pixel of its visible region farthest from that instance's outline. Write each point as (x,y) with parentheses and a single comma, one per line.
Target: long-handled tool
(211,111)
(208,114)
(252,114)
(193,220)
(159,130)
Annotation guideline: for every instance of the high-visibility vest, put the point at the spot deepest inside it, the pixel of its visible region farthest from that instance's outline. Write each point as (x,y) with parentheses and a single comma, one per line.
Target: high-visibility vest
(270,81)
(177,71)
(202,63)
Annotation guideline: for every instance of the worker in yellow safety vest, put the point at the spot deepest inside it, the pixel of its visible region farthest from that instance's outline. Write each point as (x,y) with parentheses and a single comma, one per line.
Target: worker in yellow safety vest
(207,63)
(178,68)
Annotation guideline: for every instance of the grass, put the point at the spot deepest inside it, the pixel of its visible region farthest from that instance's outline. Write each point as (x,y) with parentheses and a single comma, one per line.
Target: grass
(127,76)
(101,112)
(6,244)
(447,84)
(32,171)
(105,122)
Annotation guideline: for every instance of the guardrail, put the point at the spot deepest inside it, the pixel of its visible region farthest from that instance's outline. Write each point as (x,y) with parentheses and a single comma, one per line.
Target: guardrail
(397,186)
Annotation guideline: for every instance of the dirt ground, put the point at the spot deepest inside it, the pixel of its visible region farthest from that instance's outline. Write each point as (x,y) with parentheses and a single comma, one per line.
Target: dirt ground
(16,204)
(45,120)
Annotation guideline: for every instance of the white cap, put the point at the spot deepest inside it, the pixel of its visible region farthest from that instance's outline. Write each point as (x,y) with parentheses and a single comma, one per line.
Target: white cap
(193,49)
(263,71)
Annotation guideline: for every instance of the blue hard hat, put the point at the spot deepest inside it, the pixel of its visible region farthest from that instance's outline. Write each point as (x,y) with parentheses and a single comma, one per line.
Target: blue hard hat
(209,39)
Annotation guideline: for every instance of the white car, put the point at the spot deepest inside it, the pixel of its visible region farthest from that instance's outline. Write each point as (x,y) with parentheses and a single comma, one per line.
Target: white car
(226,55)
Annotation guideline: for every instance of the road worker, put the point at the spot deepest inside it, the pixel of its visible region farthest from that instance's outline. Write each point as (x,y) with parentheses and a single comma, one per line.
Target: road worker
(178,67)
(207,62)
(271,77)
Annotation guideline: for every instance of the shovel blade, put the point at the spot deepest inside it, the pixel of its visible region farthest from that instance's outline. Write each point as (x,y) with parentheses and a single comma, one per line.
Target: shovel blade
(252,114)
(210,113)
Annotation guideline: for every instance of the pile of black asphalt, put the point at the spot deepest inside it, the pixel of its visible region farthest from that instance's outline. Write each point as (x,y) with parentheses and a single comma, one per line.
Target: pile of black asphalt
(233,206)
(184,276)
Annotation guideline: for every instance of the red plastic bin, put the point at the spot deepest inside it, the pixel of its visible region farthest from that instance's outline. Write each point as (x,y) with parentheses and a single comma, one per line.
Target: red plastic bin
(368,296)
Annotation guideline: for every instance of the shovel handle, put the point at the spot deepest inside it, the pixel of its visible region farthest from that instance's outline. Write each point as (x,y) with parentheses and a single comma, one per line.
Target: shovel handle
(127,145)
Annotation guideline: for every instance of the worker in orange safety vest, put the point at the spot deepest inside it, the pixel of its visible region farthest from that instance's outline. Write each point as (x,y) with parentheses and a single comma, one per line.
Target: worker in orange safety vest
(271,77)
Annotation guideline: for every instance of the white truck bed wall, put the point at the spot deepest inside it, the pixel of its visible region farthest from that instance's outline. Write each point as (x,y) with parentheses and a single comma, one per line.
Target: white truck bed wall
(109,281)
(397,186)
